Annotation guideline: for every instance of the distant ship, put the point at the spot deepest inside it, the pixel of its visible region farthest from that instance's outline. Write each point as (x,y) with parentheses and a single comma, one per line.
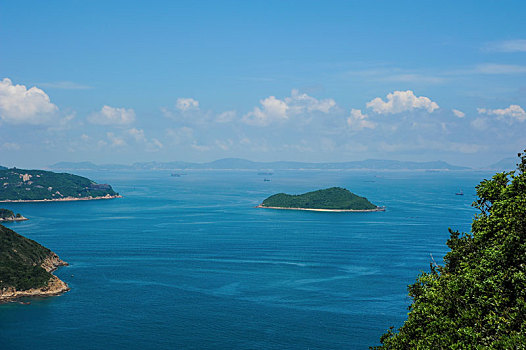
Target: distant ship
(266,179)
(175,175)
(460,193)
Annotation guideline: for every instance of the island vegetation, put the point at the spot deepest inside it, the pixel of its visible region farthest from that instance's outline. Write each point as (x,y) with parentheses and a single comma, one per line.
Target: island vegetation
(9,215)
(26,266)
(330,199)
(40,185)
(477,299)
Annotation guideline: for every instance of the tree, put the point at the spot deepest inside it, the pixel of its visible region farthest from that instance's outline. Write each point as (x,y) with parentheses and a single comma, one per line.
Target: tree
(477,300)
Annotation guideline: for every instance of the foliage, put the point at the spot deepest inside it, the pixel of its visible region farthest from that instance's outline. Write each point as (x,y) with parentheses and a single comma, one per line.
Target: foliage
(18,184)
(6,213)
(330,198)
(477,300)
(20,260)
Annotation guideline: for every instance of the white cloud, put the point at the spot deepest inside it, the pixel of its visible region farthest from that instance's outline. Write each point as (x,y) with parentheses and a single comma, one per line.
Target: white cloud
(186,104)
(200,148)
(224,145)
(272,109)
(510,113)
(401,101)
(112,116)
(518,45)
(19,105)
(226,117)
(358,120)
(115,140)
(458,113)
(137,134)
(157,143)
(139,137)
(480,123)
(301,102)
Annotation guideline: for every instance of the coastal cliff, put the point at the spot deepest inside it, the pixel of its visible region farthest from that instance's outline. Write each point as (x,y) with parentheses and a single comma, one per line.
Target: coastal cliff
(26,268)
(54,286)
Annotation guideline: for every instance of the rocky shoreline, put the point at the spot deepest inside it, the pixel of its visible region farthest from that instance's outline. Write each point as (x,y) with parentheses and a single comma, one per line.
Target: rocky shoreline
(65,199)
(54,286)
(329,210)
(13,218)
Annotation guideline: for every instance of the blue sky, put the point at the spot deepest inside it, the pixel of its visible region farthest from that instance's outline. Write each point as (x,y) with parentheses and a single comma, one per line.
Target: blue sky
(126,81)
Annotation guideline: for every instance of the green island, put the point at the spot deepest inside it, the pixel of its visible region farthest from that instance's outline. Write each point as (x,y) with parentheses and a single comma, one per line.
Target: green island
(335,199)
(8,215)
(19,185)
(25,268)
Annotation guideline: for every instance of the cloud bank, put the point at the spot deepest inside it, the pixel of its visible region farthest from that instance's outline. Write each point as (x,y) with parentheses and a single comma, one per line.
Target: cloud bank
(512,113)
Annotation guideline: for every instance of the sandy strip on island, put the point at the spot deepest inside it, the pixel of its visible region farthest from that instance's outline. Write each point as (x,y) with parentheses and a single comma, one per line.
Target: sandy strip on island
(65,199)
(329,210)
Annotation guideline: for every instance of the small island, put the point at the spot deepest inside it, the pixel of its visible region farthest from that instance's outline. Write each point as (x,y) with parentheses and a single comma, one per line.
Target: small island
(25,268)
(19,185)
(334,199)
(8,215)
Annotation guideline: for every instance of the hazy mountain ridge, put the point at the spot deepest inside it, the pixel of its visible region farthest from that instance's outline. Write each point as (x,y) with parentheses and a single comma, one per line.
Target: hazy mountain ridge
(505,164)
(244,164)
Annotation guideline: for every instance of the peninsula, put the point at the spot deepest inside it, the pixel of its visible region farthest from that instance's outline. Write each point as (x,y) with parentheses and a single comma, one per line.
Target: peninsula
(8,215)
(18,185)
(334,199)
(25,268)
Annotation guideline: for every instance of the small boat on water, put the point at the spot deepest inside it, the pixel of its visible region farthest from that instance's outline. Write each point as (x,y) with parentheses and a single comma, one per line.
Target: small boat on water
(460,193)
(266,179)
(175,175)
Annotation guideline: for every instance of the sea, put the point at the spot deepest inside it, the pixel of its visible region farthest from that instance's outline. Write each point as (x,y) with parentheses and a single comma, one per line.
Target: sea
(188,262)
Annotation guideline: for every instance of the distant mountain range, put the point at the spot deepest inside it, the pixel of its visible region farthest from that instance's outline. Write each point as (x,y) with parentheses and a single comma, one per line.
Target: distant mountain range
(506,164)
(243,164)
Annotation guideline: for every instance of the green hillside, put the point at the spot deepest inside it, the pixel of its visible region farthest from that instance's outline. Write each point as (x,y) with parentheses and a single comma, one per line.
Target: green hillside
(477,298)
(20,260)
(331,198)
(6,213)
(19,184)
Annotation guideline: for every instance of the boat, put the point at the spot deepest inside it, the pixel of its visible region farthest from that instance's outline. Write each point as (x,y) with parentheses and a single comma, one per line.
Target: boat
(266,179)
(175,175)
(460,193)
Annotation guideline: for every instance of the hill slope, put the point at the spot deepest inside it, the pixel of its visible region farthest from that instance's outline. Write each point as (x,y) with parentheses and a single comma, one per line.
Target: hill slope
(19,184)
(26,266)
(477,299)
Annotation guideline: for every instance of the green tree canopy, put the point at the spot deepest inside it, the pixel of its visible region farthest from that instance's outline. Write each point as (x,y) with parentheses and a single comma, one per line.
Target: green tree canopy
(477,300)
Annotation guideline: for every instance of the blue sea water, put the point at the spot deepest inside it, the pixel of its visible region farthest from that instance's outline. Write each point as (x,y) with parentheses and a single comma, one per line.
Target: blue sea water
(189,263)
